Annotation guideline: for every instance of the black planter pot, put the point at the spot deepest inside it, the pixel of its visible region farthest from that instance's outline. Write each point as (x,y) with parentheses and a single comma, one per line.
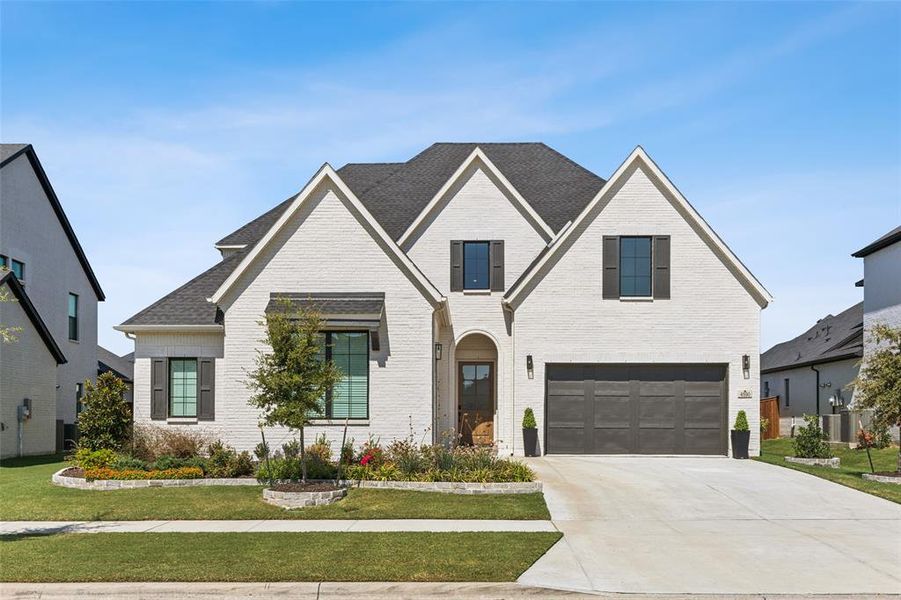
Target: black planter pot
(530,441)
(740,442)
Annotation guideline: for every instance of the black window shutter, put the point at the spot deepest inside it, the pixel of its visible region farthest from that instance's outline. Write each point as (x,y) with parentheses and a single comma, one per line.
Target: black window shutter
(456,266)
(159,392)
(611,267)
(496,260)
(661,267)
(206,393)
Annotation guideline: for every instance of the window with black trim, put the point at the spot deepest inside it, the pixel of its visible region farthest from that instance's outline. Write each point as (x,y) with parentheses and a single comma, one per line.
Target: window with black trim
(787,393)
(16,266)
(635,267)
(349,351)
(476,266)
(73,317)
(182,387)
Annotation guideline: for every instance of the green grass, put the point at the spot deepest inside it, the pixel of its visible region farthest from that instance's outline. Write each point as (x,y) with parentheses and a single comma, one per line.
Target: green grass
(271,556)
(26,494)
(854,463)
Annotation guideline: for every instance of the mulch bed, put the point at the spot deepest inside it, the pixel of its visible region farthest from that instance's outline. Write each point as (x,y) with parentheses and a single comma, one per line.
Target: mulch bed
(887,473)
(73,472)
(304,487)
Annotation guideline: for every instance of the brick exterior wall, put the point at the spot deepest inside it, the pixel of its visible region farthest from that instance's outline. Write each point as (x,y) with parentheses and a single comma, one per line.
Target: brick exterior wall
(710,317)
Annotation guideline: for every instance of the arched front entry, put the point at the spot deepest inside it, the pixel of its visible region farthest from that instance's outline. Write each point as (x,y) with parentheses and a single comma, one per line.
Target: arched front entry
(476,373)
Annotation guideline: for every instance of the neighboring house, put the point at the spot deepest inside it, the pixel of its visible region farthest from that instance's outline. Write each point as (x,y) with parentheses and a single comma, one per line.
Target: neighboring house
(810,373)
(460,288)
(121,366)
(38,245)
(28,368)
(881,283)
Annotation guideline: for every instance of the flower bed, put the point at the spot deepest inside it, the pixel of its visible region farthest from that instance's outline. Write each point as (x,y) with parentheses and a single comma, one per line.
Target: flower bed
(297,495)
(400,461)
(137,474)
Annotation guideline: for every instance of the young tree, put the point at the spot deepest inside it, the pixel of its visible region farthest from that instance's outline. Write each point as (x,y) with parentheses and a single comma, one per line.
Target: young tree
(878,385)
(105,422)
(291,379)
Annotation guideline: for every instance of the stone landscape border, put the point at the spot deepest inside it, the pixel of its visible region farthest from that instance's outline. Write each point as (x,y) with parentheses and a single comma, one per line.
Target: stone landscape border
(833,463)
(302,499)
(445,487)
(881,478)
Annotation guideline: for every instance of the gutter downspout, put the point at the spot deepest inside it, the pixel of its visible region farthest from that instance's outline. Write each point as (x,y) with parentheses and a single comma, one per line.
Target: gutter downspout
(817,388)
(508,308)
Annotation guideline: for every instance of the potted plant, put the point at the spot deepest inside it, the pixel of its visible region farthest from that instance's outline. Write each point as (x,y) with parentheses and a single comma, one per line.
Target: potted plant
(741,436)
(530,433)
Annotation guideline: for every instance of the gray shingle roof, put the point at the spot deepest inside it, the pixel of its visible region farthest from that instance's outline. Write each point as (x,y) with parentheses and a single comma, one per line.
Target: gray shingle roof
(187,305)
(887,240)
(396,193)
(831,338)
(121,366)
(344,303)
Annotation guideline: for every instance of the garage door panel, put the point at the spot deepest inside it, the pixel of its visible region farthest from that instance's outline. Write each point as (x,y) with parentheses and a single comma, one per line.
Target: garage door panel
(563,440)
(612,412)
(657,441)
(602,387)
(566,411)
(657,412)
(703,441)
(703,412)
(656,388)
(613,440)
(636,409)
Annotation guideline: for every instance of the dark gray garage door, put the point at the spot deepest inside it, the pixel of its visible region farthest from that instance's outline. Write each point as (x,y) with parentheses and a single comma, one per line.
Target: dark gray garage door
(636,409)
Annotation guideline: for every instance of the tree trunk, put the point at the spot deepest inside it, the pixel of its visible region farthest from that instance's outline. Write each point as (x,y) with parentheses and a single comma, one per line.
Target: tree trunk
(303,459)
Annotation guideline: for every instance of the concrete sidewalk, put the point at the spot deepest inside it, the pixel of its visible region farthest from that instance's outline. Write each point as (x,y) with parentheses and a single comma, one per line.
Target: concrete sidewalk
(349,591)
(265,526)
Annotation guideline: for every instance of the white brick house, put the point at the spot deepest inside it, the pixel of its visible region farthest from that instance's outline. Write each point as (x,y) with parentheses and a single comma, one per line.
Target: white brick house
(465,285)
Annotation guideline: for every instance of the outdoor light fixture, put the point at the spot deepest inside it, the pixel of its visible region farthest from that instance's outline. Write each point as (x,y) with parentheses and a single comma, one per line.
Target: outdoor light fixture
(530,366)
(437,351)
(746,365)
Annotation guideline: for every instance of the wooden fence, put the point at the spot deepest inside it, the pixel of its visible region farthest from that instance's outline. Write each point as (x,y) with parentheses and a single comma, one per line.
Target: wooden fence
(769,410)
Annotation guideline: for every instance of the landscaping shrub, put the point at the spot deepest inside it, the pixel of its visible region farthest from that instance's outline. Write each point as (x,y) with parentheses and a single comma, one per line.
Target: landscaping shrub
(137,474)
(403,461)
(810,441)
(105,422)
(876,437)
(528,419)
(150,442)
(224,461)
(94,459)
(741,422)
(128,463)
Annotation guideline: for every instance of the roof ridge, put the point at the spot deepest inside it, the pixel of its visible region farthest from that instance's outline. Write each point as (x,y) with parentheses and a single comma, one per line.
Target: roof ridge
(572,162)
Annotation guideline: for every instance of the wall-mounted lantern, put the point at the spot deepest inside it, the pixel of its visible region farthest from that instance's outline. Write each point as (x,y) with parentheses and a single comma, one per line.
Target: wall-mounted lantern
(746,366)
(530,366)
(437,351)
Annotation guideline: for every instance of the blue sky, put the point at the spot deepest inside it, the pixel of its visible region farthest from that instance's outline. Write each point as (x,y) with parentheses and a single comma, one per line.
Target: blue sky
(164,126)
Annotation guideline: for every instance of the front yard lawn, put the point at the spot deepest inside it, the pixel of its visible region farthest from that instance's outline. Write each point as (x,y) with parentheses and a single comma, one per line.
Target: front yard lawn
(271,556)
(854,463)
(26,494)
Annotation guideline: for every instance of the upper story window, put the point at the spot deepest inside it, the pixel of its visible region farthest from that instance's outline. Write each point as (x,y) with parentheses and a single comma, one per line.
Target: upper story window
(16,266)
(476,266)
(635,267)
(73,317)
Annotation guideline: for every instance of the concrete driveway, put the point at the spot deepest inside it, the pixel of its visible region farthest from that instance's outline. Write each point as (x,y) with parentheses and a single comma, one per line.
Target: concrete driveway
(712,525)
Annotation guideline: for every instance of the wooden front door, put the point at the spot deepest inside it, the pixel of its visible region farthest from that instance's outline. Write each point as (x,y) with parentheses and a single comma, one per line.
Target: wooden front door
(475,406)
